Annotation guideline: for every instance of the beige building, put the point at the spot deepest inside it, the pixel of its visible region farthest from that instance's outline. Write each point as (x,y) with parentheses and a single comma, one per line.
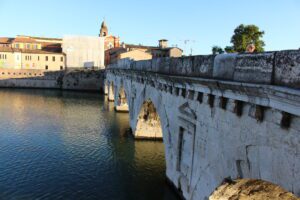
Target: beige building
(141,52)
(26,52)
(12,58)
(134,55)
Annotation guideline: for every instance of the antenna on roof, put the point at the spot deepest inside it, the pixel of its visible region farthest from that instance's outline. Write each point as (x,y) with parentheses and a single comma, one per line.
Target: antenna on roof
(186,42)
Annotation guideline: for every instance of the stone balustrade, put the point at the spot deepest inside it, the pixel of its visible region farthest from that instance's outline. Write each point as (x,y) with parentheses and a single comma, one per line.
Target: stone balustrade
(280,68)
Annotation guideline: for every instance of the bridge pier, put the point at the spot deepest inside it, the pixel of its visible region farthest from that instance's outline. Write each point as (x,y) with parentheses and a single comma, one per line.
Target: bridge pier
(111,92)
(106,86)
(122,108)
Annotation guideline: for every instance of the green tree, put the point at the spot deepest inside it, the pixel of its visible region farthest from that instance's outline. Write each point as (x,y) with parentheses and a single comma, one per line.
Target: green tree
(229,49)
(246,34)
(217,50)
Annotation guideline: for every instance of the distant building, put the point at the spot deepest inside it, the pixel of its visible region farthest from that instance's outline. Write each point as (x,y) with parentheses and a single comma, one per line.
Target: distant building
(29,42)
(26,52)
(12,58)
(84,51)
(141,52)
(121,53)
(110,41)
(6,42)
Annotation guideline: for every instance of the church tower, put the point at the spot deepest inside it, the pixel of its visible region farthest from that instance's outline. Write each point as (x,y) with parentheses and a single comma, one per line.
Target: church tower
(103,30)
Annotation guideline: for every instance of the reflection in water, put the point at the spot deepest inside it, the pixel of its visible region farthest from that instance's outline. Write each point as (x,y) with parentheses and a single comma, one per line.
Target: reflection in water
(66,145)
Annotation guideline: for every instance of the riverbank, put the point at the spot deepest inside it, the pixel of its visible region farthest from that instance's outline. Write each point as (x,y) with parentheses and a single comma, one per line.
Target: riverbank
(81,80)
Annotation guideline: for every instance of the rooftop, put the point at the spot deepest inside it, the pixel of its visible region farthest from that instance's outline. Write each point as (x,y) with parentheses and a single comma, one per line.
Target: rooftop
(34,51)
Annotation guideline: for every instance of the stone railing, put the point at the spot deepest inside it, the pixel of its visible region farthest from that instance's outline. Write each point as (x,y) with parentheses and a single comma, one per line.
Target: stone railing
(274,68)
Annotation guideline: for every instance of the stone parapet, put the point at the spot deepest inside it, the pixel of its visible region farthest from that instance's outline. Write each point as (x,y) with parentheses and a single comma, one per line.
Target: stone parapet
(273,68)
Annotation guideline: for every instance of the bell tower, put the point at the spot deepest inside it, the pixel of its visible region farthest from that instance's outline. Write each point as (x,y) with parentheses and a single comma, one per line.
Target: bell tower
(103,30)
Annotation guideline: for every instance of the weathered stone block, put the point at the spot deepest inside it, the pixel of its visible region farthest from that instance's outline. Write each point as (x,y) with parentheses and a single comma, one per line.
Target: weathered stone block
(181,66)
(154,64)
(287,68)
(187,64)
(203,66)
(124,63)
(224,65)
(164,66)
(133,66)
(254,68)
(144,65)
(176,66)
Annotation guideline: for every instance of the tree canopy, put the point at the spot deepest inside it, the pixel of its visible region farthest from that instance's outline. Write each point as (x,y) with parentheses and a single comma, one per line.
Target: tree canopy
(244,35)
(217,50)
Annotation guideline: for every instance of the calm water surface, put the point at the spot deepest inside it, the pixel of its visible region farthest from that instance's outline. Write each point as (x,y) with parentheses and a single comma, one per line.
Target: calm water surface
(68,145)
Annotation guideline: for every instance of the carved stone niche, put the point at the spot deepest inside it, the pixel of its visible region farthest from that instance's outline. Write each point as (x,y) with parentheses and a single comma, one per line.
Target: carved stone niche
(170,89)
(223,102)
(257,112)
(211,100)
(200,97)
(238,107)
(286,119)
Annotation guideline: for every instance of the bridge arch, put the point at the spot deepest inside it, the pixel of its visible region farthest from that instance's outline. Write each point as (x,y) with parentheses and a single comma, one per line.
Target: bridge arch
(147,99)
(148,122)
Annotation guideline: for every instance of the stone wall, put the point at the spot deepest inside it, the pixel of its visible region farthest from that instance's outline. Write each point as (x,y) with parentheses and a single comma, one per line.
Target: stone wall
(274,68)
(88,80)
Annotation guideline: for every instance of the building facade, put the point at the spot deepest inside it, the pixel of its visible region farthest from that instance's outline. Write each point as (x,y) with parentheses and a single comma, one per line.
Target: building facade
(141,52)
(26,52)
(84,51)
(121,53)
(110,41)
(11,58)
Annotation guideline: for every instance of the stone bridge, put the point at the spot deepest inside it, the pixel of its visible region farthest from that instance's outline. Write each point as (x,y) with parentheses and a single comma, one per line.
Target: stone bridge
(230,115)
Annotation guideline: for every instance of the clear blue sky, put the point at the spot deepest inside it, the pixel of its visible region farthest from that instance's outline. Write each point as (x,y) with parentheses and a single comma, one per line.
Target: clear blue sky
(204,22)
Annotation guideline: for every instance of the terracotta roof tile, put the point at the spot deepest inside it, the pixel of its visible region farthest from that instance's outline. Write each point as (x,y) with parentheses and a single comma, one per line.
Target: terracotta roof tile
(37,51)
(25,40)
(6,40)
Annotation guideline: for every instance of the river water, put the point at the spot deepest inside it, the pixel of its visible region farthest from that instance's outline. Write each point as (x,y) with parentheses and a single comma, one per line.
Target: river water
(70,145)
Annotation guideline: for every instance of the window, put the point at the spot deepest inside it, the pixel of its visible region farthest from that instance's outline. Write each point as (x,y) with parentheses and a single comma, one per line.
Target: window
(0,56)
(38,58)
(46,58)
(28,46)
(25,57)
(53,58)
(61,59)
(46,67)
(61,67)
(17,46)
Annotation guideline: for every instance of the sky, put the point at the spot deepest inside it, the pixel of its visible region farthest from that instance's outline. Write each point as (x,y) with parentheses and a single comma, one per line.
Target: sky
(193,25)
